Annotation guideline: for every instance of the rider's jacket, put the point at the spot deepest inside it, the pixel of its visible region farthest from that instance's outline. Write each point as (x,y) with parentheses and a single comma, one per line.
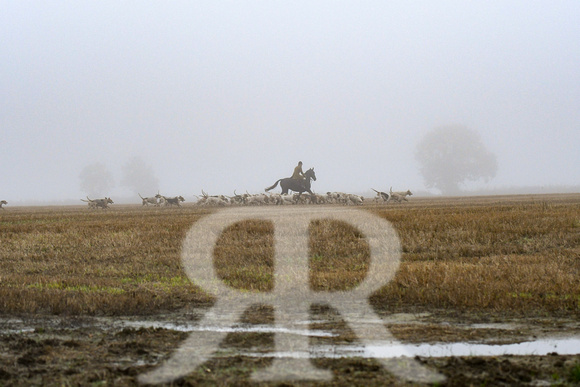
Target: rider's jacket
(298,173)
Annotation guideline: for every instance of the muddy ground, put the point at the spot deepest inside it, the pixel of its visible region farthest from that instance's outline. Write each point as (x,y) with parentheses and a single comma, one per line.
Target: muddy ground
(98,351)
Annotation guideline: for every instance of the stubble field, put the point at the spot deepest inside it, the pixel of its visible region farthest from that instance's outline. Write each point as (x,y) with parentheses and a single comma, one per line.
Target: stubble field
(68,274)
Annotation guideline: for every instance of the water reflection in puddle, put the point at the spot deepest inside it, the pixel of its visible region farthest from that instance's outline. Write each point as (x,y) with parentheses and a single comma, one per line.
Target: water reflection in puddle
(237,328)
(561,346)
(541,347)
(565,346)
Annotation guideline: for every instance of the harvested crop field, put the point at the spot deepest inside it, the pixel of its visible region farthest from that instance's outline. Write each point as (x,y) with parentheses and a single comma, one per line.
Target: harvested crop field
(100,297)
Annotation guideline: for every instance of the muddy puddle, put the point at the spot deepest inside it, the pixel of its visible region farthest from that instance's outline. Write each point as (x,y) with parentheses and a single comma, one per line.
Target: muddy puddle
(561,345)
(44,350)
(536,347)
(486,339)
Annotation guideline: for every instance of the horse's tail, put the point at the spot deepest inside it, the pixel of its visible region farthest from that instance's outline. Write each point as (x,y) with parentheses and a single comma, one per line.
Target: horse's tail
(272,187)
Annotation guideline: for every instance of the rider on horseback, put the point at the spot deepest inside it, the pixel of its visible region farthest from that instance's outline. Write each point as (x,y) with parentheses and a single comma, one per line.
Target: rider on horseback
(299,182)
(298,174)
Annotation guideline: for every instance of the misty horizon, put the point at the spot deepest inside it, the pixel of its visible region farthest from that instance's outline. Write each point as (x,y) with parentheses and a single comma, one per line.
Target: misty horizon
(229,96)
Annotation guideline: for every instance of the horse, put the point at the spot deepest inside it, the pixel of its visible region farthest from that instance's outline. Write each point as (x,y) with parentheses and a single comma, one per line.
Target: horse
(302,185)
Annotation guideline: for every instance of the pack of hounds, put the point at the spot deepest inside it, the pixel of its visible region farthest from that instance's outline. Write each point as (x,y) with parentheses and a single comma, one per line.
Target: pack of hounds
(395,196)
(259,199)
(256,199)
(156,200)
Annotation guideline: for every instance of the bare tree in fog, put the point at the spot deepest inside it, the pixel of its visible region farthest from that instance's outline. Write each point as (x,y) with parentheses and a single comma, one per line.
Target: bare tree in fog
(139,177)
(450,155)
(96,180)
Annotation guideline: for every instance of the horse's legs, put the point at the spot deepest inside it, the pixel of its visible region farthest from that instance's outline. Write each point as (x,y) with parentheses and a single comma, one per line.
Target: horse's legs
(312,197)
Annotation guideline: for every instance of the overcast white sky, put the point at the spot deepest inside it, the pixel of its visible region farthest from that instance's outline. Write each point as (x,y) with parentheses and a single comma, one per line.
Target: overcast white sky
(224,95)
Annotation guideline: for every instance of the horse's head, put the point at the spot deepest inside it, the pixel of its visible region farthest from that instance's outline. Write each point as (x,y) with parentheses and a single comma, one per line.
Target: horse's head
(309,174)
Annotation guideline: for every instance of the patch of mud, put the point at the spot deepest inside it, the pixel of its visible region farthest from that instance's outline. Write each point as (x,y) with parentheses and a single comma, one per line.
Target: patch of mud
(48,350)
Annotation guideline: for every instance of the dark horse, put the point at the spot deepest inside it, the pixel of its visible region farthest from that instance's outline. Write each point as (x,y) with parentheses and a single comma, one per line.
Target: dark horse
(302,185)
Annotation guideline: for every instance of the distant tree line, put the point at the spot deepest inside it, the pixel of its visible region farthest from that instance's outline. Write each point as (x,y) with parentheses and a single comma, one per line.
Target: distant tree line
(97,180)
(450,155)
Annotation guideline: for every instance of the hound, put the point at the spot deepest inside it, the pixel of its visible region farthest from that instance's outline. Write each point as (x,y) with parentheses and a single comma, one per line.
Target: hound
(147,201)
(400,196)
(258,200)
(237,199)
(212,201)
(333,197)
(287,199)
(321,199)
(161,199)
(98,203)
(173,201)
(2,203)
(215,200)
(275,198)
(381,196)
(304,199)
(356,200)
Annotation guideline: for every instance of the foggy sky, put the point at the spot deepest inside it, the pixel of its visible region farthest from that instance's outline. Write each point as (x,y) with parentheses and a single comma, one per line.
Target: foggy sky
(231,94)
